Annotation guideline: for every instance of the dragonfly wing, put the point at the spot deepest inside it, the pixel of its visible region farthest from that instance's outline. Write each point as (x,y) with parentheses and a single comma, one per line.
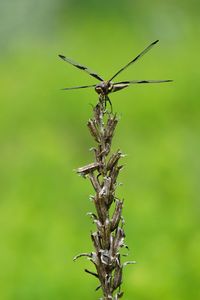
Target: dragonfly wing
(141,81)
(78,87)
(135,59)
(81,67)
(123,84)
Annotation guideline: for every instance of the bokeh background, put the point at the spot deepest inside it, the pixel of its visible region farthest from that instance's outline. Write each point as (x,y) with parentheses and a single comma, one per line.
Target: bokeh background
(43,203)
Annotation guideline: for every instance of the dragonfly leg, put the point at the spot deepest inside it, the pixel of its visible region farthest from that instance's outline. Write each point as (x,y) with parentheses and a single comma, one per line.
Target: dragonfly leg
(103,100)
(107,99)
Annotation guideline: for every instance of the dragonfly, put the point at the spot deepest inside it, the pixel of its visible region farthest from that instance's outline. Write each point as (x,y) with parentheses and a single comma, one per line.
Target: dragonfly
(105,87)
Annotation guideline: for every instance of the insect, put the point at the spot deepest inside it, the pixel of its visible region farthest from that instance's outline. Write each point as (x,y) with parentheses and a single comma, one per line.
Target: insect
(106,87)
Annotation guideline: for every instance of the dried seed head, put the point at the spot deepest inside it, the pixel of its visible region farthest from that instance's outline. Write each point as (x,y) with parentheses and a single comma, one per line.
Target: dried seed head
(116,215)
(117,280)
(95,182)
(114,172)
(96,241)
(93,130)
(119,239)
(114,159)
(105,191)
(110,127)
(88,169)
(98,113)
(97,154)
(105,234)
(105,257)
(103,173)
(100,208)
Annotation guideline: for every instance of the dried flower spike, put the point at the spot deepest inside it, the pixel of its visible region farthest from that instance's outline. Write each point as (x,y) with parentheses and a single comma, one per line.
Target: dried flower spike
(109,236)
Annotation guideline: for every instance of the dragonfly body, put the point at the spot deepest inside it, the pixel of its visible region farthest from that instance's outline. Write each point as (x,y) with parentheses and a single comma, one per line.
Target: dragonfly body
(103,88)
(106,87)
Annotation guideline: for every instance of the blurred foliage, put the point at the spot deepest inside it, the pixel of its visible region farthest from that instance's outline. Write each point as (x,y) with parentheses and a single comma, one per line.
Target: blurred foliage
(43,203)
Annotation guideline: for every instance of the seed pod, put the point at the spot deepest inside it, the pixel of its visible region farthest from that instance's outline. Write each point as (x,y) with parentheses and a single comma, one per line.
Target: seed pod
(98,113)
(95,182)
(119,238)
(105,234)
(114,173)
(114,159)
(117,280)
(106,187)
(116,215)
(88,169)
(110,127)
(96,241)
(93,130)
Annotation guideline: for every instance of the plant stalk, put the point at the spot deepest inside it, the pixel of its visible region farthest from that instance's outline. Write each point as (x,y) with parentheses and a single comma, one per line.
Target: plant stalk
(109,236)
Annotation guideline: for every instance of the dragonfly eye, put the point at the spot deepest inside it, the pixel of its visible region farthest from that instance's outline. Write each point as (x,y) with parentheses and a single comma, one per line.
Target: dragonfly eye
(98,89)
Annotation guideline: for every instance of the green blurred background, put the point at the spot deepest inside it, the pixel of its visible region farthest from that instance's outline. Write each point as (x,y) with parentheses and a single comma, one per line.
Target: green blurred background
(43,203)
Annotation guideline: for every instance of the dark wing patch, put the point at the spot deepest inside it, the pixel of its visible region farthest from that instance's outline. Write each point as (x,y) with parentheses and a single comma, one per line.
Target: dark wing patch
(87,70)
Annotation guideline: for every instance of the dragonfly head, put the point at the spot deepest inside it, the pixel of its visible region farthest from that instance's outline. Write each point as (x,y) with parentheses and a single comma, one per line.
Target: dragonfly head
(104,88)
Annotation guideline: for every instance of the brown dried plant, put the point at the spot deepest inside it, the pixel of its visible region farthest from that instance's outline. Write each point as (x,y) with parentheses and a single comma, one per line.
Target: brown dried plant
(109,236)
